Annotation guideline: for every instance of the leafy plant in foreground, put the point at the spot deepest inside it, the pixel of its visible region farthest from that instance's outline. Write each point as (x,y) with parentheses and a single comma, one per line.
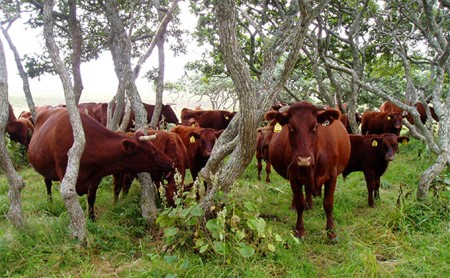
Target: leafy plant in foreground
(237,229)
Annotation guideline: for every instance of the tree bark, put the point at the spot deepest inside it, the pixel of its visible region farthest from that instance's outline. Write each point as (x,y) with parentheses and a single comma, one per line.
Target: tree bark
(239,138)
(22,73)
(16,183)
(68,191)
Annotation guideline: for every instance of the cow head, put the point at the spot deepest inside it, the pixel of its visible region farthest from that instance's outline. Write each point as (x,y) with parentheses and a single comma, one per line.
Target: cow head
(204,140)
(169,114)
(387,144)
(146,156)
(395,119)
(303,120)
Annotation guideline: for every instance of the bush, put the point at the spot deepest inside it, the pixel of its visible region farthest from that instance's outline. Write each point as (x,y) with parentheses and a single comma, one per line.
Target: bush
(237,229)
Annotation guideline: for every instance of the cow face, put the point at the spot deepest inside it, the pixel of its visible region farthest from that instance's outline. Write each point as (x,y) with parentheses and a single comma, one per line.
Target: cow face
(204,141)
(387,144)
(395,119)
(303,120)
(147,156)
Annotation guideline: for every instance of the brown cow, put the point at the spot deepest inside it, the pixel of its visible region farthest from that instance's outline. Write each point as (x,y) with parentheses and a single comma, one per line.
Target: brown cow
(19,130)
(312,149)
(371,154)
(381,122)
(99,112)
(263,139)
(172,146)
(199,143)
(390,107)
(215,119)
(105,153)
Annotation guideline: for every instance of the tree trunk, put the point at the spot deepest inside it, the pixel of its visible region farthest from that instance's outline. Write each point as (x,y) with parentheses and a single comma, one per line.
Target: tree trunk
(77,38)
(161,67)
(16,183)
(22,73)
(239,138)
(68,191)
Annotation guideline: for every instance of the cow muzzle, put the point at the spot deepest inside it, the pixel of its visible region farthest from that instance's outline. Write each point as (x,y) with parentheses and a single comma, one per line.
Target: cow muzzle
(389,157)
(304,161)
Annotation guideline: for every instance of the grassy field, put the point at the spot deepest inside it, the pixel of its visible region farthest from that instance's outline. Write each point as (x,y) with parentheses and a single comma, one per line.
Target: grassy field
(398,238)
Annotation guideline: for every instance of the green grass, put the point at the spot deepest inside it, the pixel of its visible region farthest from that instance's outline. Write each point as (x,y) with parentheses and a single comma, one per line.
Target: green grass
(398,238)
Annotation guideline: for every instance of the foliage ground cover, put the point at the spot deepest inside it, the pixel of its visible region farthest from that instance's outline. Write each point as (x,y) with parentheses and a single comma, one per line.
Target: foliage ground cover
(399,237)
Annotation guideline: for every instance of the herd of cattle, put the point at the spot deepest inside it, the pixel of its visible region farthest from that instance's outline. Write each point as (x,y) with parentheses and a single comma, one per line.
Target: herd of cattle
(306,144)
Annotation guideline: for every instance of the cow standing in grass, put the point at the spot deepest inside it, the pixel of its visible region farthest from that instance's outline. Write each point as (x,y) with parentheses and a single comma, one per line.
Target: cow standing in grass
(311,150)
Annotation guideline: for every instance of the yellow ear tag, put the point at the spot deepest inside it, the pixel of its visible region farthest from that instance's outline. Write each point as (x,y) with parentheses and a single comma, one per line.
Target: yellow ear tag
(404,141)
(192,139)
(389,118)
(277,128)
(374,143)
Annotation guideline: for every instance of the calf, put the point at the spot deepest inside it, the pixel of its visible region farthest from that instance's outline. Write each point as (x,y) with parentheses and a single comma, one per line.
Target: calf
(105,153)
(371,155)
(199,143)
(381,122)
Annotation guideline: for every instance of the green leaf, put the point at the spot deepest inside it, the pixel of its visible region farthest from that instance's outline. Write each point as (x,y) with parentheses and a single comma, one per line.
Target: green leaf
(250,206)
(278,238)
(170,232)
(212,225)
(271,247)
(204,248)
(245,250)
(170,259)
(257,224)
(221,248)
(197,211)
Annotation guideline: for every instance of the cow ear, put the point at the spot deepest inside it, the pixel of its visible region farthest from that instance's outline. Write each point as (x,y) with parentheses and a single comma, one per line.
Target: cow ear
(328,116)
(403,139)
(193,136)
(129,146)
(375,141)
(281,118)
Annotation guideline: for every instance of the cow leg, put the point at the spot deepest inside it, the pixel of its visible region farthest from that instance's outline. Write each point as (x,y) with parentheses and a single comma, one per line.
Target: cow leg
(48,184)
(370,182)
(376,192)
(299,202)
(328,202)
(268,166)
(92,193)
(117,181)
(259,167)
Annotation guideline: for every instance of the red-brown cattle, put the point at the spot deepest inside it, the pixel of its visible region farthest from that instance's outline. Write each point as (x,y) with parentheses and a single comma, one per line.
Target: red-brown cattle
(263,139)
(172,146)
(199,143)
(311,150)
(371,154)
(390,107)
(19,130)
(215,119)
(381,122)
(105,153)
(99,112)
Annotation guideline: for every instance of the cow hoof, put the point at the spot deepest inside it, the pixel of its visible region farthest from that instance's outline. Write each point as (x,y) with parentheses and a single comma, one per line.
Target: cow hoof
(299,234)
(332,237)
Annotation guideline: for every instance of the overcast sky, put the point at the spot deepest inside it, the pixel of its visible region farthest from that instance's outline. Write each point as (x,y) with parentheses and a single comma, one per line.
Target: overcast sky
(99,79)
